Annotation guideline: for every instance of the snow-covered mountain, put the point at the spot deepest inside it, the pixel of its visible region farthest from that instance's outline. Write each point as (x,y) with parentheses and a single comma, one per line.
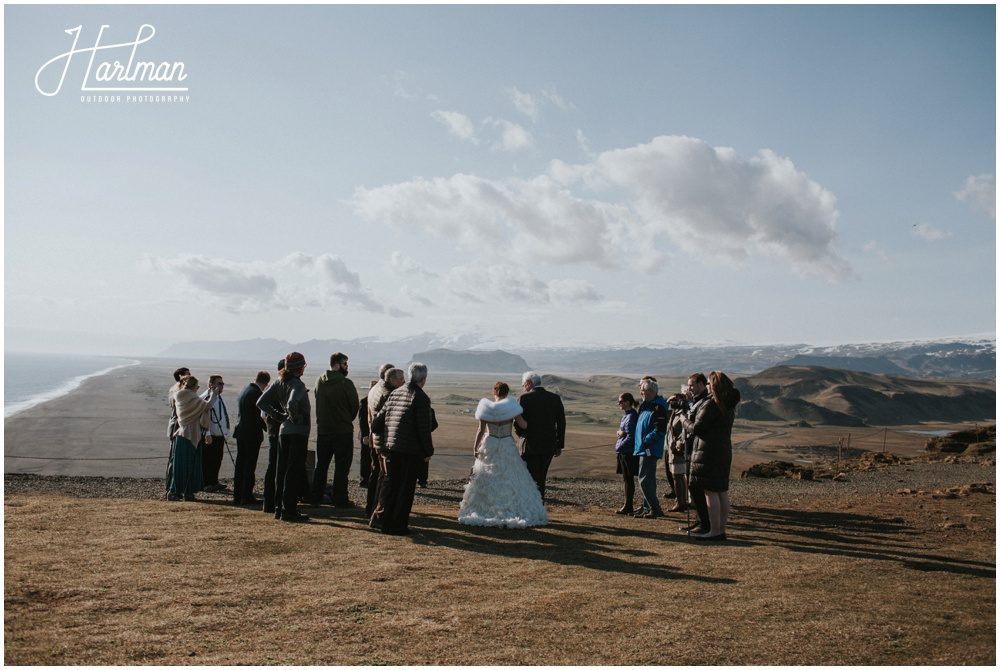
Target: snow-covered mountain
(969,357)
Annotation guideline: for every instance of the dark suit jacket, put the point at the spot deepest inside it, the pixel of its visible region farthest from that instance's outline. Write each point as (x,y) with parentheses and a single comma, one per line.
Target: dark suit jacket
(546,419)
(249,426)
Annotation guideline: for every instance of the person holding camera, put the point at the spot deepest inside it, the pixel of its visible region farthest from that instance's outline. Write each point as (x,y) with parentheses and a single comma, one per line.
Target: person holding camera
(711,425)
(676,444)
(215,438)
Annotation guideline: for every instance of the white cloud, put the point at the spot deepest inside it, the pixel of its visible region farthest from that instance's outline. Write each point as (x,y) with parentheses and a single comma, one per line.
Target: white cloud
(719,206)
(414,296)
(405,266)
(232,287)
(571,291)
(257,287)
(710,202)
(512,136)
(980,192)
(929,233)
(532,221)
(341,284)
(873,248)
(553,96)
(524,103)
(581,141)
(458,125)
(509,284)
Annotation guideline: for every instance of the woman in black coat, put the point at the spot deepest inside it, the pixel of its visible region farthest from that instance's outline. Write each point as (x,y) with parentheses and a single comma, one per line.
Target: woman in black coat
(712,457)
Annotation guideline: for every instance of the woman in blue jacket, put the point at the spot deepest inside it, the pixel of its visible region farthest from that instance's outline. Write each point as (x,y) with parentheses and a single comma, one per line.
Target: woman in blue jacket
(650,434)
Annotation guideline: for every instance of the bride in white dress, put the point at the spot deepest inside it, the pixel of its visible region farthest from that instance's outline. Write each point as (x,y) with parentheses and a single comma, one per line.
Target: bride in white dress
(500,491)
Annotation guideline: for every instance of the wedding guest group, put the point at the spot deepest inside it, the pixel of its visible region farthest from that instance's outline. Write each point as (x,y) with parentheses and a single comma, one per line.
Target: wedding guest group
(692,432)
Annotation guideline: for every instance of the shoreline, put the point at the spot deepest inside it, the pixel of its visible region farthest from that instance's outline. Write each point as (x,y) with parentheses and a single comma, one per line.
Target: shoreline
(65,389)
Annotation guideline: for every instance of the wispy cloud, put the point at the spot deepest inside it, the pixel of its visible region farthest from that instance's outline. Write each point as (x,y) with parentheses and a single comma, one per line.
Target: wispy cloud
(405,266)
(258,287)
(511,284)
(873,248)
(458,125)
(342,284)
(553,96)
(234,287)
(927,232)
(513,137)
(980,192)
(415,296)
(524,103)
(612,211)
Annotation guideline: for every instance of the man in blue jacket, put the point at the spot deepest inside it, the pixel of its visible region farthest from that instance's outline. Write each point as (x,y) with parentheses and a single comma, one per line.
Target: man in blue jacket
(650,434)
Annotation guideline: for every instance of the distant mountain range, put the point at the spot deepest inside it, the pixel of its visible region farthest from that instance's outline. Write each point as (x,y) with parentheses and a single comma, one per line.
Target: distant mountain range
(957,358)
(845,398)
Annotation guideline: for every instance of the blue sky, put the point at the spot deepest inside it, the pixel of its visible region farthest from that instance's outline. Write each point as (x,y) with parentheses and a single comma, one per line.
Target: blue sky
(560,175)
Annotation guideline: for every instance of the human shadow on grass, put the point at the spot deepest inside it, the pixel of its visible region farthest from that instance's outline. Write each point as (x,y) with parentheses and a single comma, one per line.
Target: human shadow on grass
(559,542)
(850,535)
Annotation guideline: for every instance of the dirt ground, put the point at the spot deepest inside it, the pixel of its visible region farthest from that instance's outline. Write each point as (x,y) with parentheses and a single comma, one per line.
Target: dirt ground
(856,578)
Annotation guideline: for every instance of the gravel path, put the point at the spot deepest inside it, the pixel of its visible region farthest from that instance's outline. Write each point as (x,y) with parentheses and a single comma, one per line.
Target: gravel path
(582,492)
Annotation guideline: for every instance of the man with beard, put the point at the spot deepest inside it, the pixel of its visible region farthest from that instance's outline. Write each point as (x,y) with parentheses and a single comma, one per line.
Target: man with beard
(336,406)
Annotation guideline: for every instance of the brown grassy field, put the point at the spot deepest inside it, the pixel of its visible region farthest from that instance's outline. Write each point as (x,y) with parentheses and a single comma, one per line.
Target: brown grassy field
(855,580)
(847,579)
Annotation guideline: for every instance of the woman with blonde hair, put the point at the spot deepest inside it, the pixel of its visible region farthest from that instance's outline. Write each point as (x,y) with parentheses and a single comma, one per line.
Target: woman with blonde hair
(192,422)
(712,457)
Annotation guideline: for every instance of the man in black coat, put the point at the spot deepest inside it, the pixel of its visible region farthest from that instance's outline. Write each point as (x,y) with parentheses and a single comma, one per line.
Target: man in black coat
(545,435)
(249,434)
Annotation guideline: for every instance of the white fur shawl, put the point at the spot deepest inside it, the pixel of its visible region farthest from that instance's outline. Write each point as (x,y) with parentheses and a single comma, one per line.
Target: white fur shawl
(501,410)
(191,408)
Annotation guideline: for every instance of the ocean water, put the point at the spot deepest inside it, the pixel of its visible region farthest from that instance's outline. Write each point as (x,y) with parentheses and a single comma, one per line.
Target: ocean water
(31,379)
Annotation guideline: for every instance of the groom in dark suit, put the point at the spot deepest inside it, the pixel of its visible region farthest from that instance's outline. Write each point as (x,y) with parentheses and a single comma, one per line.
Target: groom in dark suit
(249,436)
(546,432)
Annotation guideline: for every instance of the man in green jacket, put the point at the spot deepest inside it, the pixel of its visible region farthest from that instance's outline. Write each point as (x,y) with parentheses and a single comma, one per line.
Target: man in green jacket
(336,408)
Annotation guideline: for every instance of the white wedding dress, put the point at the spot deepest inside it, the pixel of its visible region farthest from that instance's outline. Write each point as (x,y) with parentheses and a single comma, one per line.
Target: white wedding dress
(500,491)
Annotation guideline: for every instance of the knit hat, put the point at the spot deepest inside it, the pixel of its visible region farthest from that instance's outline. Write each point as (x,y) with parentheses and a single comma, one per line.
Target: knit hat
(295,362)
